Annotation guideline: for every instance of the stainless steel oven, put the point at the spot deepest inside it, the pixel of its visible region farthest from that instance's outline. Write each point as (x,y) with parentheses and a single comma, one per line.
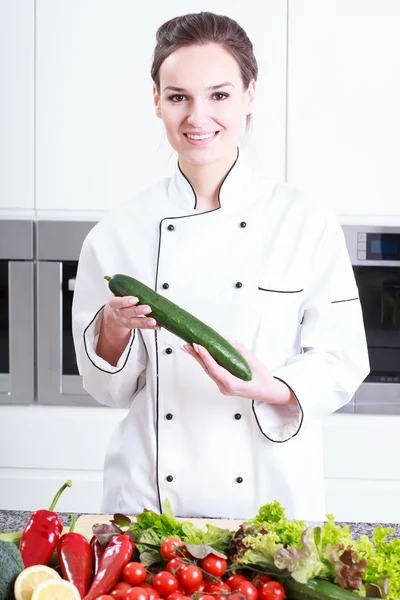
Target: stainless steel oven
(375,256)
(17,361)
(58,244)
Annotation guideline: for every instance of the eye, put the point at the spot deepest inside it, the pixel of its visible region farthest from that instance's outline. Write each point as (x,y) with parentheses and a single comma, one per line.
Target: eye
(176,98)
(220,96)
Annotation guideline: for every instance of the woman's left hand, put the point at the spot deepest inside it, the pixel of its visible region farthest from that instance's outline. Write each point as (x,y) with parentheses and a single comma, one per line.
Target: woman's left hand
(263,387)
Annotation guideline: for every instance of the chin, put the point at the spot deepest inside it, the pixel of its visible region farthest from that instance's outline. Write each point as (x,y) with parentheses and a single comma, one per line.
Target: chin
(201,156)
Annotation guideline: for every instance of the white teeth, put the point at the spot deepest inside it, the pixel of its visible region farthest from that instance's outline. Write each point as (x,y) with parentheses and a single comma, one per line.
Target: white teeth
(206,136)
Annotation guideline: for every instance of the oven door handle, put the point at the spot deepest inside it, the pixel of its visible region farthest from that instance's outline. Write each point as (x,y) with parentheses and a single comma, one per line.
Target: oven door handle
(21,334)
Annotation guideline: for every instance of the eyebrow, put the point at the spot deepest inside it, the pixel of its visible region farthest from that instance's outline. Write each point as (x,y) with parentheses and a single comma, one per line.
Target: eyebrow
(209,89)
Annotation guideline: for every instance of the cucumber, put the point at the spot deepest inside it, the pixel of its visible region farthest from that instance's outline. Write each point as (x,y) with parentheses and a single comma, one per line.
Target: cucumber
(181,323)
(316,589)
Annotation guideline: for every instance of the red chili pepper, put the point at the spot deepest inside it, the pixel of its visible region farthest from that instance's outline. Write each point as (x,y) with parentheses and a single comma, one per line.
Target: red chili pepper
(116,555)
(75,558)
(41,534)
(97,553)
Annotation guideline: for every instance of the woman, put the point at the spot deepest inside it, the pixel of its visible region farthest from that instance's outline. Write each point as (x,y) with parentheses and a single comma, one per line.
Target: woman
(259,262)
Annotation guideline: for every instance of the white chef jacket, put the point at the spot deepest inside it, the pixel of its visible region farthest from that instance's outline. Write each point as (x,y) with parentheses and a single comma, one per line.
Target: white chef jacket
(270,269)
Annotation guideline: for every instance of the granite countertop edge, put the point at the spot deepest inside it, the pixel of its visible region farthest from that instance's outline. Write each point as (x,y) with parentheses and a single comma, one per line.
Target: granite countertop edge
(15,520)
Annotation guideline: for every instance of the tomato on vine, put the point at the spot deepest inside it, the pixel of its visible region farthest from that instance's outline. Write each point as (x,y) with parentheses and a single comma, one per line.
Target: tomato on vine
(234,580)
(271,590)
(171,547)
(258,580)
(248,590)
(190,576)
(214,565)
(164,583)
(134,573)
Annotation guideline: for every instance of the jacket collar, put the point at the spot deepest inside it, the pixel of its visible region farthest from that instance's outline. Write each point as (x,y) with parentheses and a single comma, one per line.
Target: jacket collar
(233,192)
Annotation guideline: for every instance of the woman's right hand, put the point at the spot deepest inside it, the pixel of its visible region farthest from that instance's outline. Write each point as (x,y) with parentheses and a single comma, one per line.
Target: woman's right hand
(125,313)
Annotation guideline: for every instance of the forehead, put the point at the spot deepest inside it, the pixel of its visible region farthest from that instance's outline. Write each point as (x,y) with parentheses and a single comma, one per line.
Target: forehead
(197,67)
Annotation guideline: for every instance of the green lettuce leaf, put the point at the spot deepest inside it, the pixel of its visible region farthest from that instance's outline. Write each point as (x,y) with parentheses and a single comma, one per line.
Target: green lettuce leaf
(304,563)
(383,560)
(272,518)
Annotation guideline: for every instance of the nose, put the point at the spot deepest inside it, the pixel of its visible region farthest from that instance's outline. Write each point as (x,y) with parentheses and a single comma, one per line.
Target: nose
(198,116)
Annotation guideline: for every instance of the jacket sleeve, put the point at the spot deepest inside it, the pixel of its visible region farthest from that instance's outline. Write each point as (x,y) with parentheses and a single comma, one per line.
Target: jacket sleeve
(334,356)
(109,385)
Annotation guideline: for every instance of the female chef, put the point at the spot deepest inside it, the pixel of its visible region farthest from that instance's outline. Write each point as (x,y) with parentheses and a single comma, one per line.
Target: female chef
(262,263)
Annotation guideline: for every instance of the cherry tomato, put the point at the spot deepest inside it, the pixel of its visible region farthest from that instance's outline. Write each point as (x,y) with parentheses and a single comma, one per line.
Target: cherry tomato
(119,594)
(175,595)
(171,547)
(174,565)
(164,583)
(104,597)
(214,565)
(235,596)
(248,590)
(197,589)
(122,585)
(234,580)
(134,573)
(258,580)
(136,593)
(152,593)
(215,588)
(190,576)
(271,590)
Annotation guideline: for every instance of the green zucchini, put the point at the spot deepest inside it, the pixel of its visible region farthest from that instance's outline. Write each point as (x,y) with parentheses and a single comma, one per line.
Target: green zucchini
(316,589)
(181,323)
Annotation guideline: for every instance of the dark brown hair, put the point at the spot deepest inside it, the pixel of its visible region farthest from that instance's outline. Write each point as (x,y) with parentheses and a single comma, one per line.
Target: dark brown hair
(205,28)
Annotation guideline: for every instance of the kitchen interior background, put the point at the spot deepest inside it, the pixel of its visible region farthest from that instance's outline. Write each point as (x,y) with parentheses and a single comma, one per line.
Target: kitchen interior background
(79,136)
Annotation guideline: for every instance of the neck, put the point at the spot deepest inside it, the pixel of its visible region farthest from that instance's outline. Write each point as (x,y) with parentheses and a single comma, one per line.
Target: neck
(206,180)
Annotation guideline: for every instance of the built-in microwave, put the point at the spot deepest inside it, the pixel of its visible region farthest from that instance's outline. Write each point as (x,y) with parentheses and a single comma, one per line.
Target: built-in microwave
(17,312)
(375,255)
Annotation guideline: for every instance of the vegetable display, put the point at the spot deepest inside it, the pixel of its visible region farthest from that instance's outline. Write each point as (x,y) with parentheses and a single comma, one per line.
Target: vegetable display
(181,323)
(159,556)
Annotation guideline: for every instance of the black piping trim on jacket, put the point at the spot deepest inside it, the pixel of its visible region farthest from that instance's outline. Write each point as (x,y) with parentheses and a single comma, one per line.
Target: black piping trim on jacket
(282,291)
(348,300)
(94,364)
(219,191)
(301,422)
(155,332)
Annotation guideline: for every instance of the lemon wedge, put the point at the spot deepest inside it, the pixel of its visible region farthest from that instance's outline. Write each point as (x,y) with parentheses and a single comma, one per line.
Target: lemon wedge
(29,579)
(53,589)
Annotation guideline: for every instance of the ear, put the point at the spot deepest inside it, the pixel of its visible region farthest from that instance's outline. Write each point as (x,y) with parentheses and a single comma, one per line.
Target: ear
(250,95)
(156,99)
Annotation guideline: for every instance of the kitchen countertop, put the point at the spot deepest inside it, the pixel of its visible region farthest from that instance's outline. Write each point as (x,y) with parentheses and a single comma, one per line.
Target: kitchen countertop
(15,520)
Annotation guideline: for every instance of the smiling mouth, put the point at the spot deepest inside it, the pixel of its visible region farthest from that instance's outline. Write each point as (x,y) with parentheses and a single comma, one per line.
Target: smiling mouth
(203,136)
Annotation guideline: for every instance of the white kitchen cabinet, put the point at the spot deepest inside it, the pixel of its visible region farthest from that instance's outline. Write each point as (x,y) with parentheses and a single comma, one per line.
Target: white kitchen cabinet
(98,139)
(17,108)
(343,103)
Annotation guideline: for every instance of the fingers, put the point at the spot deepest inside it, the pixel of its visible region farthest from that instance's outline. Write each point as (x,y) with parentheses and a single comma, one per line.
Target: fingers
(127,313)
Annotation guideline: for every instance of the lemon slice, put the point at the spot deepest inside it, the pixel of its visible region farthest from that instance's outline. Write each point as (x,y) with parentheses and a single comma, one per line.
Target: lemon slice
(29,579)
(56,590)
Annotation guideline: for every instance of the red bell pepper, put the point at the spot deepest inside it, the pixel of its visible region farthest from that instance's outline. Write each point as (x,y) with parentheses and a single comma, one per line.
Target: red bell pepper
(75,557)
(41,534)
(97,553)
(116,555)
